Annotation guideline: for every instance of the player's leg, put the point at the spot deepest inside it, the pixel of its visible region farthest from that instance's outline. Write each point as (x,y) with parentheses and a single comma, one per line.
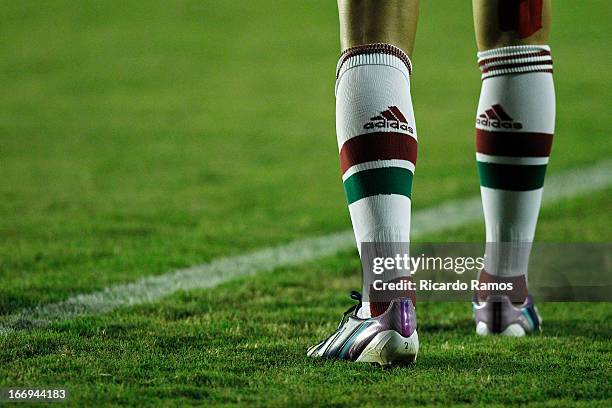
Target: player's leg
(377,141)
(376,131)
(514,129)
(391,22)
(503,23)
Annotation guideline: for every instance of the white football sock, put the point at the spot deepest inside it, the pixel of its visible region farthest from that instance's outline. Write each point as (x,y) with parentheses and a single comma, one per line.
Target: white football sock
(514,129)
(378,143)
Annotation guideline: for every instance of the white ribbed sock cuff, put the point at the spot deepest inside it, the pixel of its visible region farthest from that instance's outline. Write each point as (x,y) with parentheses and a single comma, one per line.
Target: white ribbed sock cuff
(519,59)
(373,54)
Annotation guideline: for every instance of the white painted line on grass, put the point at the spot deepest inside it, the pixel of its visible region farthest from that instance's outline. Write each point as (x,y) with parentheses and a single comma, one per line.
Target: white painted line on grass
(449,215)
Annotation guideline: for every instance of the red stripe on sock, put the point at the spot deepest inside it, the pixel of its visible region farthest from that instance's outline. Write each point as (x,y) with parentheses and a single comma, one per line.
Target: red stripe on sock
(550,71)
(378,146)
(513,57)
(486,69)
(513,144)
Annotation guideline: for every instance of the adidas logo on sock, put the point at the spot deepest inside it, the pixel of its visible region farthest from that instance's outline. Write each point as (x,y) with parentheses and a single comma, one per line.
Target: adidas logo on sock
(390,118)
(497,117)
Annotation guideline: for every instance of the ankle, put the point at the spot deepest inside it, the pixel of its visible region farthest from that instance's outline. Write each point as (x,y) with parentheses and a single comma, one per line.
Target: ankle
(519,291)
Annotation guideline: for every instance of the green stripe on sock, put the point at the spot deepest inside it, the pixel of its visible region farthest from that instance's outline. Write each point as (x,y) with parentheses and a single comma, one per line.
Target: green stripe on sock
(511,176)
(387,180)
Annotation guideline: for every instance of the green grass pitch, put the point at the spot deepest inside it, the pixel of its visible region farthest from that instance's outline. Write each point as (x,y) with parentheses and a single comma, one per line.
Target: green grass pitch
(144,136)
